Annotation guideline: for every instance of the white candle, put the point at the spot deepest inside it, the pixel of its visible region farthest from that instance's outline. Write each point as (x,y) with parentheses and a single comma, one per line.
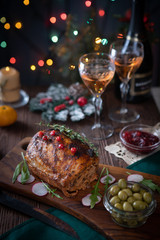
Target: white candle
(9,84)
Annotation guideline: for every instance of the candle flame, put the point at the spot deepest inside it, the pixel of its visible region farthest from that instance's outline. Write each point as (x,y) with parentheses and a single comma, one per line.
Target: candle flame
(7,69)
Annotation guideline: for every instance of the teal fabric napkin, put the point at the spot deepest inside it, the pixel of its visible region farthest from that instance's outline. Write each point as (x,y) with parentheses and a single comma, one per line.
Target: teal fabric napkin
(150,164)
(34,229)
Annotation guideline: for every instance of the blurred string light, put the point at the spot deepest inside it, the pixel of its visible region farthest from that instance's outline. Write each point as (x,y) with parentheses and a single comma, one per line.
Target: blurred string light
(101,12)
(33,67)
(7,26)
(120,35)
(97,40)
(26,2)
(63,16)
(49,62)
(72,67)
(12,60)
(41,63)
(88,3)
(104,41)
(53,20)
(3,44)
(18,25)
(54,39)
(3,19)
(75,32)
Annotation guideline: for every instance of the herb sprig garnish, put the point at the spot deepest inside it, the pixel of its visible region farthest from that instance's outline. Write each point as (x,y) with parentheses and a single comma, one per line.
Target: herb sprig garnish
(95,192)
(21,168)
(108,178)
(52,191)
(149,183)
(71,134)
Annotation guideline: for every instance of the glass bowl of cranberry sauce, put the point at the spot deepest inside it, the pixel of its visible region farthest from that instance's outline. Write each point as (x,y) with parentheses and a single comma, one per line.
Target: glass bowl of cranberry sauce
(139,138)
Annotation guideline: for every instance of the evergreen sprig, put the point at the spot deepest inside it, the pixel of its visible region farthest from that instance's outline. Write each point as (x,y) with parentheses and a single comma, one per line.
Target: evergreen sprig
(71,134)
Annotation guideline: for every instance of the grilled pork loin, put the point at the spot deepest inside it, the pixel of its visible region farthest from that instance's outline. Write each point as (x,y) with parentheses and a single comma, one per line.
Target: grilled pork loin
(63,160)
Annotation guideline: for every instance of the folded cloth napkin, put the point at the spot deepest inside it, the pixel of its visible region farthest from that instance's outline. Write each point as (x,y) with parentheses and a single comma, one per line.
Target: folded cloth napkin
(34,229)
(149,164)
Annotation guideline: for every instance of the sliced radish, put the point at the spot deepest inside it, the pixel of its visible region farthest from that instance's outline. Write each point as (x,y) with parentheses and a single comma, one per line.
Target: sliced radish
(39,189)
(112,180)
(30,180)
(135,178)
(86,201)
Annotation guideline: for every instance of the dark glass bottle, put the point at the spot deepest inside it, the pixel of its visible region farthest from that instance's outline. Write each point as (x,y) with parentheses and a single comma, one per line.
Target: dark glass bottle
(140,84)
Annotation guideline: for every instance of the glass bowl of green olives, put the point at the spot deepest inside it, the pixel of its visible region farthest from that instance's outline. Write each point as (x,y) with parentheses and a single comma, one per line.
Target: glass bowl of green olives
(129,203)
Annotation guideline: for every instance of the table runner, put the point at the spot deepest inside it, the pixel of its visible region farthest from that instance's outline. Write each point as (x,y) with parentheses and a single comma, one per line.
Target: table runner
(33,229)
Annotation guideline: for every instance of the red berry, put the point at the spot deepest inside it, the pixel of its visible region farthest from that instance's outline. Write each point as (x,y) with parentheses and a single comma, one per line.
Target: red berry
(73,150)
(52,133)
(40,134)
(71,102)
(45,138)
(60,107)
(57,109)
(44,100)
(58,138)
(61,146)
(82,101)
(67,98)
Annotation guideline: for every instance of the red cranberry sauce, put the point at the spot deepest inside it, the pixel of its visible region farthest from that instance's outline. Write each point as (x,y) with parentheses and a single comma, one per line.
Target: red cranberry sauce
(140,138)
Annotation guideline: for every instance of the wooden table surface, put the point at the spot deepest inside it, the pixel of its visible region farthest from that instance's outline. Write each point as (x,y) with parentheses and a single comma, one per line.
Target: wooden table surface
(26,127)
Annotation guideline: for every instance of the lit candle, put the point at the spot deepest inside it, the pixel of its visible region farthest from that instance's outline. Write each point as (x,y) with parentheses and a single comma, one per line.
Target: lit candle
(9,84)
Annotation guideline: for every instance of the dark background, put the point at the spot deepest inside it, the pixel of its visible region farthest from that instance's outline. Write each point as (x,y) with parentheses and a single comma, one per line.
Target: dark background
(32,42)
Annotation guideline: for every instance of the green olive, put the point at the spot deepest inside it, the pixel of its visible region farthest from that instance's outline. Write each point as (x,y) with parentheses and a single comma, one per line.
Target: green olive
(122,183)
(135,187)
(127,206)
(122,195)
(119,206)
(114,200)
(132,223)
(147,197)
(131,199)
(137,196)
(142,190)
(139,205)
(128,191)
(114,190)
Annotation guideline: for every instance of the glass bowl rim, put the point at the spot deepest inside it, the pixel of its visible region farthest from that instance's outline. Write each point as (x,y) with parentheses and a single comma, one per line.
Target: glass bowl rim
(131,214)
(136,127)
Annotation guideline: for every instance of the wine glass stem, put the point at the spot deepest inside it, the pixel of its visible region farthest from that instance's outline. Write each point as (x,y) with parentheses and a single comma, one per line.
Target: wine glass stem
(97,104)
(124,90)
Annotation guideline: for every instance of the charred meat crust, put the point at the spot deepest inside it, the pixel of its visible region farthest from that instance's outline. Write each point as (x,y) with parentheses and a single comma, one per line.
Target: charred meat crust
(61,168)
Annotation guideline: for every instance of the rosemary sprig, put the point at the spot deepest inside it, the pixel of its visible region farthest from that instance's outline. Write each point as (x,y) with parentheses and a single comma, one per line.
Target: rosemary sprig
(52,191)
(22,168)
(71,134)
(95,192)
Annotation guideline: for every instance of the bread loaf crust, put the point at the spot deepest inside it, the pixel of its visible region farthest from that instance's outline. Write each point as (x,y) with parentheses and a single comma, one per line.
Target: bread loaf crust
(58,166)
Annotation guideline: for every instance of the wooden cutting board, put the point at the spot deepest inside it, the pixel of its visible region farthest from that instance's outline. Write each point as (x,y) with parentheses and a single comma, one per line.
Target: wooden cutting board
(98,218)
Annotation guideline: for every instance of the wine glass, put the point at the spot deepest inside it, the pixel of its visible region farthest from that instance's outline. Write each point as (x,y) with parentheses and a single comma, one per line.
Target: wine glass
(128,55)
(97,70)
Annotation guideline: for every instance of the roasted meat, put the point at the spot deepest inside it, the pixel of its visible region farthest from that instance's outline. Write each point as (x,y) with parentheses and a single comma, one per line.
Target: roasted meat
(62,159)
